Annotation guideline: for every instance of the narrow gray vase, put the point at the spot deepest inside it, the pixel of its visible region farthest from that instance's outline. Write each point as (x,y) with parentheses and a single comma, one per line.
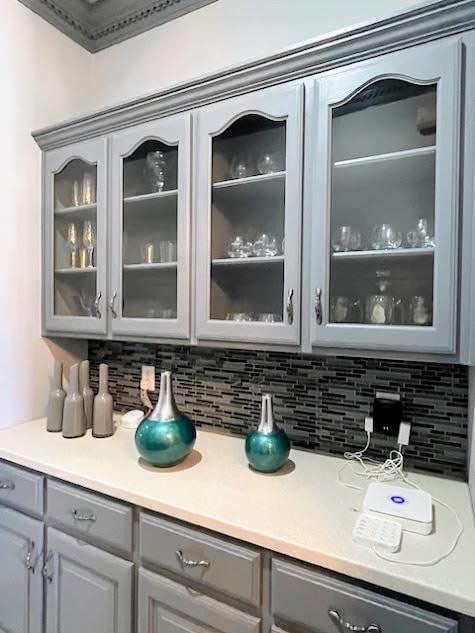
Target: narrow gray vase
(54,419)
(86,391)
(74,420)
(103,422)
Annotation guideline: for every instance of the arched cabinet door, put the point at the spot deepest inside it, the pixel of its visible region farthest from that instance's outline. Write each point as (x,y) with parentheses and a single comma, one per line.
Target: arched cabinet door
(74,239)
(383,208)
(150,217)
(248,217)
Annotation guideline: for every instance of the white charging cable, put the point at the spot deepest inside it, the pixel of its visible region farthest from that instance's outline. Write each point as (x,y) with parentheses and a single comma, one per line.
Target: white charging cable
(390,470)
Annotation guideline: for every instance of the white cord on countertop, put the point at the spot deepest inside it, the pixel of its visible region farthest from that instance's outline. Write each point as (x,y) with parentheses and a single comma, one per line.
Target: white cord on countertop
(390,470)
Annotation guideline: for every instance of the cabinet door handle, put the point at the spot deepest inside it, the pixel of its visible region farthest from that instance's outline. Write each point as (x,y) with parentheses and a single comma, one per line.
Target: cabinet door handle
(347,627)
(186,562)
(96,305)
(318,306)
(29,562)
(7,485)
(47,574)
(290,306)
(112,306)
(83,516)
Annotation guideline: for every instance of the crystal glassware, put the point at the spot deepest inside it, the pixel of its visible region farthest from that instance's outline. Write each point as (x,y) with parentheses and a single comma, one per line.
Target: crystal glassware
(385,236)
(76,194)
(89,241)
(167,249)
(240,168)
(346,238)
(236,247)
(148,253)
(155,166)
(345,310)
(269,163)
(420,311)
(383,308)
(88,190)
(269,317)
(419,236)
(73,244)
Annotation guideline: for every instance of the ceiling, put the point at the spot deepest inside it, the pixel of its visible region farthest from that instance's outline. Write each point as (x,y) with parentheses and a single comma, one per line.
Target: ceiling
(97,24)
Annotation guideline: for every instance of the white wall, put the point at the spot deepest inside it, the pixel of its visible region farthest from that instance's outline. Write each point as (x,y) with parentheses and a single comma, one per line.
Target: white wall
(45,78)
(219,35)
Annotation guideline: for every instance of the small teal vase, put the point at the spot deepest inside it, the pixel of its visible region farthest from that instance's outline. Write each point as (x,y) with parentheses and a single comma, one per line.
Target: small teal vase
(268,448)
(167,436)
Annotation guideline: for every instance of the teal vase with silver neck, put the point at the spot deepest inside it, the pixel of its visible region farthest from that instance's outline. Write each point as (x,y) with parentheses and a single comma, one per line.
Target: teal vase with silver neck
(167,436)
(268,448)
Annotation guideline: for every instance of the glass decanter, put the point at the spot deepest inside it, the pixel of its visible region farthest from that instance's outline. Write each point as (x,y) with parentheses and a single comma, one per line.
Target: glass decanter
(383,308)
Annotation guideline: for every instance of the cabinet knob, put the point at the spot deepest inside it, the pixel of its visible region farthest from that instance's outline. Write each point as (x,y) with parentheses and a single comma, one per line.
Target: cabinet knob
(47,573)
(7,485)
(347,627)
(318,306)
(97,305)
(290,306)
(112,306)
(83,516)
(186,562)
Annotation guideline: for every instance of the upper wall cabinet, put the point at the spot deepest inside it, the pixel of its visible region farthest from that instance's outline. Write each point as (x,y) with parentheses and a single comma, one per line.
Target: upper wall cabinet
(150,218)
(248,208)
(383,152)
(75,243)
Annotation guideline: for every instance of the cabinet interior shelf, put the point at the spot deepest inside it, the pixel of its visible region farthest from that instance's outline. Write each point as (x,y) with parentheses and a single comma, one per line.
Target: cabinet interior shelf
(75,271)
(154,266)
(247,261)
(156,195)
(393,252)
(382,158)
(76,209)
(249,180)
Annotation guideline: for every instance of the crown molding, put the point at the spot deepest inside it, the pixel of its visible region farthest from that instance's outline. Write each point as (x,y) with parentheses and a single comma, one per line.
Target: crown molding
(97,25)
(424,24)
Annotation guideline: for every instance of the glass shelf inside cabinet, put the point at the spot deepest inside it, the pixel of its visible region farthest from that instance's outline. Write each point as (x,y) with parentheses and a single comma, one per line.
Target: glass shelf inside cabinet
(75,223)
(382,205)
(150,232)
(247,221)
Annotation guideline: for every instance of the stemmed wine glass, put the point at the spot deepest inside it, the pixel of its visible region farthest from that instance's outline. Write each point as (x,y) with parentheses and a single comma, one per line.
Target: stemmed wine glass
(89,241)
(73,244)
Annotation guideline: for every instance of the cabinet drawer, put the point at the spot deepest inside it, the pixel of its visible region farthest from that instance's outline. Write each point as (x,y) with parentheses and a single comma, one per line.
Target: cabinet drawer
(21,489)
(306,598)
(210,561)
(90,516)
(167,607)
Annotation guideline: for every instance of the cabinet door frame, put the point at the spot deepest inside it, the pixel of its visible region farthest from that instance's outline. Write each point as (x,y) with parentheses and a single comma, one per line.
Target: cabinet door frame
(279,103)
(62,547)
(431,63)
(173,130)
(93,152)
(31,531)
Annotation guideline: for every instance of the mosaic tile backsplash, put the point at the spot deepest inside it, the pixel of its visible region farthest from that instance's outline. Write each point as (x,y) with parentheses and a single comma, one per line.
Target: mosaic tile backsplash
(321,402)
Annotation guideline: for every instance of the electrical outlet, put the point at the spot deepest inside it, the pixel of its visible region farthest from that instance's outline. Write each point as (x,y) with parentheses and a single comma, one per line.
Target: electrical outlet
(147,382)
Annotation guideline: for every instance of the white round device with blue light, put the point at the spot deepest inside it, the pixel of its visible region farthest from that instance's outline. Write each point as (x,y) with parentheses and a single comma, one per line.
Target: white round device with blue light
(411,507)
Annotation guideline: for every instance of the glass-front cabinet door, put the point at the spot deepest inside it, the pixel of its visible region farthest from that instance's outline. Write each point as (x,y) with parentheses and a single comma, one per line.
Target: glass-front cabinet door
(75,242)
(248,181)
(150,216)
(384,203)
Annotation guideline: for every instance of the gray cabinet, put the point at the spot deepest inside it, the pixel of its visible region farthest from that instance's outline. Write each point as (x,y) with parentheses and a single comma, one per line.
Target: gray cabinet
(248,217)
(383,202)
(75,239)
(151,229)
(86,589)
(21,582)
(167,607)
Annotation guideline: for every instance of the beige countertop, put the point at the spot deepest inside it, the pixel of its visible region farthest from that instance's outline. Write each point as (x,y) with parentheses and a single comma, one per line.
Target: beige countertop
(302,512)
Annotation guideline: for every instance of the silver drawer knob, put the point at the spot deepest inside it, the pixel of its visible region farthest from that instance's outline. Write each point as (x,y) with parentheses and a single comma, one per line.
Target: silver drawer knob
(7,485)
(187,562)
(83,516)
(347,627)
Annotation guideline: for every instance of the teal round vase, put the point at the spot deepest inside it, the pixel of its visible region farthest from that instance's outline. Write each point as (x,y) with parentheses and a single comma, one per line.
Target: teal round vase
(167,436)
(268,448)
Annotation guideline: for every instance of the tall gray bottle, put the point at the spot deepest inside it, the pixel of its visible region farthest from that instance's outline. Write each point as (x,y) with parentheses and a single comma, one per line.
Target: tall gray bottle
(74,420)
(86,392)
(54,419)
(103,423)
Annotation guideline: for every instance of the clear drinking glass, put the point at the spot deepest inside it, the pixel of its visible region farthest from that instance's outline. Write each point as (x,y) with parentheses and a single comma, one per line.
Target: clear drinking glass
(88,189)
(167,250)
(73,244)
(89,241)
(420,311)
(385,236)
(240,167)
(346,238)
(155,166)
(269,163)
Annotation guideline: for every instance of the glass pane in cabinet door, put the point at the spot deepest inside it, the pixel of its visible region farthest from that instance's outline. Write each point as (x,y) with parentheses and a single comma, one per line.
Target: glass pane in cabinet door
(247,221)
(382,205)
(150,232)
(75,256)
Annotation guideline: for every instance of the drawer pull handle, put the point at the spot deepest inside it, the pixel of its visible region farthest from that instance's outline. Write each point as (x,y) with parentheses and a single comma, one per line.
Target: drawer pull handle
(290,306)
(186,562)
(83,516)
(318,306)
(47,574)
(7,485)
(29,562)
(345,627)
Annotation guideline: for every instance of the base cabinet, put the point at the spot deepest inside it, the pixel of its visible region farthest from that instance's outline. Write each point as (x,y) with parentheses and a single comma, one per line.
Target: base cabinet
(87,589)
(167,607)
(21,582)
